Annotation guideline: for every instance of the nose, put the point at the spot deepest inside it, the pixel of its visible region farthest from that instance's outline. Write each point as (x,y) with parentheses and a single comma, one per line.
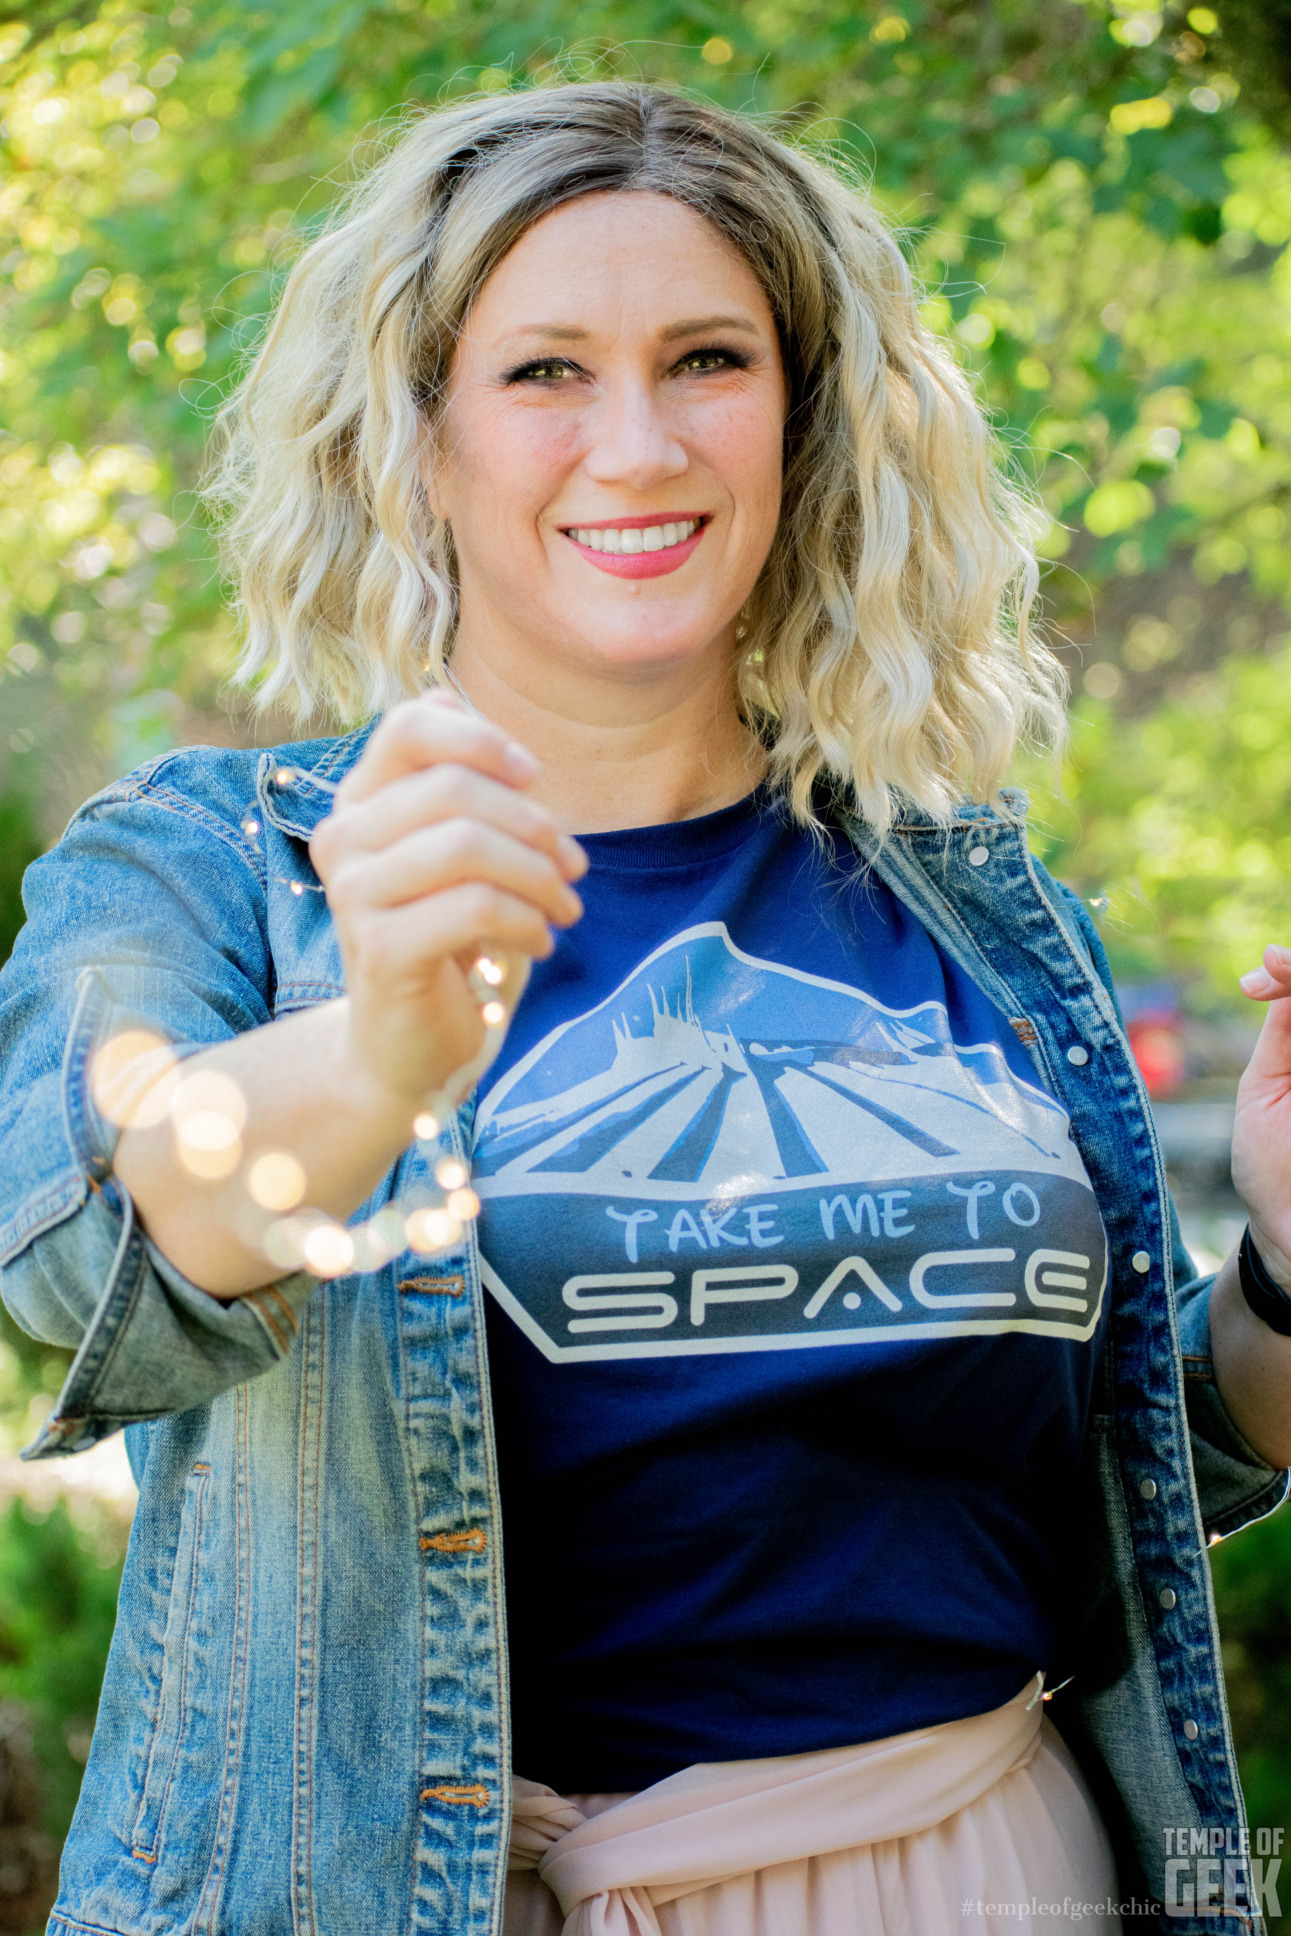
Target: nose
(632,444)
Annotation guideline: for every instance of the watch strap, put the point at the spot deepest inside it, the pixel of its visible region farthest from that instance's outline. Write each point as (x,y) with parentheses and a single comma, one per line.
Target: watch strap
(1262,1292)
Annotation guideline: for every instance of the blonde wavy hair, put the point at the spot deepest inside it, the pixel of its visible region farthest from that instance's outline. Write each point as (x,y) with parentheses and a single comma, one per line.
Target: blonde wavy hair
(886,644)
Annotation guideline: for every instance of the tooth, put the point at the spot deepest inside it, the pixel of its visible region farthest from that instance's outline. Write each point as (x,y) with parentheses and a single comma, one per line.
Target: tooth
(596,539)
(579,537)
(671,533)
(652,538)
(630,541)
(611,541)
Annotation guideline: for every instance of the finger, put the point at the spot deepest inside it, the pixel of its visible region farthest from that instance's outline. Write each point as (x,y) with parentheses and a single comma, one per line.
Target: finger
(447,855)
(421,732)
(1270,1061)
(1270,982)
(404,942)
(445,792)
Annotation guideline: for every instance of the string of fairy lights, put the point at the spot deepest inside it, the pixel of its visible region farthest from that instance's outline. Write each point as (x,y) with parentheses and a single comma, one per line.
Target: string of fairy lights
(137,1081)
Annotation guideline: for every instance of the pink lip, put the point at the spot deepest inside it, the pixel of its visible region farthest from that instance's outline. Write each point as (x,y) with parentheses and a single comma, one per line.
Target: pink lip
(639,564)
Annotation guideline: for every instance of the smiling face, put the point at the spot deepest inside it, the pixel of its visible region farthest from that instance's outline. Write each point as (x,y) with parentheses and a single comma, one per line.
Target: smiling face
(611,446)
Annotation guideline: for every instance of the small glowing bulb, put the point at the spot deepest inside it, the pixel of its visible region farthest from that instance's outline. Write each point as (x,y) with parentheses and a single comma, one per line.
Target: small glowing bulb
(493,1014)
(209,1161)
(425,1127)
(463,1204)
(329,1250)
(296,888)
(284,1242)
(133,1078)
(276,1181)
(209,1092)
(251,828)
(284,776)
(431,1230)
(451,1173)
(490,971)
(207,1130)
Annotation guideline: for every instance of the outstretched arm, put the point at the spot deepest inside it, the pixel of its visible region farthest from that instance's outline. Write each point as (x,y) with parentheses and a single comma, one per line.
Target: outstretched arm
(431,854)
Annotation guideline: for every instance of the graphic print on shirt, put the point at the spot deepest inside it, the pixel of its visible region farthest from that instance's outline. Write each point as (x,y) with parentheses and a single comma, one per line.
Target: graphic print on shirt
(763,1160)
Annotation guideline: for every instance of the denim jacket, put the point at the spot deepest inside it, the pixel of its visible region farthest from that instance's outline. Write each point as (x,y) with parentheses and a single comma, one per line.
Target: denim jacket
(303,1729)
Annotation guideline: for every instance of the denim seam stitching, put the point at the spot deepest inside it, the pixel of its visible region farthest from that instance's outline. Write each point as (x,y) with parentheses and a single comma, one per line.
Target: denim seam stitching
(58,1922)
(170,800)
(237,1680)
(130,1239)
(187,808)
(156,1716)
(53,1206)
(303,1918)
(496,1591)
(147,1852)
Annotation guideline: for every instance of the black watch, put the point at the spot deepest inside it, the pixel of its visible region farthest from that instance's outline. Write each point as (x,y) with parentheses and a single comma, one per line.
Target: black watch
(1265,1296)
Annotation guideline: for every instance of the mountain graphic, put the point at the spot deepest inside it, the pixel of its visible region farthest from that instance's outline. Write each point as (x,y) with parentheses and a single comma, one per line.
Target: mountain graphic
(716,1071)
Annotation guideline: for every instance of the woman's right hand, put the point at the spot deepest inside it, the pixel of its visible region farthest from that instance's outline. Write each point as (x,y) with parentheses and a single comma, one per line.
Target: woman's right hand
(432,856)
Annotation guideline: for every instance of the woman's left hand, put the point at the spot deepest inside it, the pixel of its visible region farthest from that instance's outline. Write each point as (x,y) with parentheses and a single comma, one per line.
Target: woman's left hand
(1262,1128)
(1253,1361)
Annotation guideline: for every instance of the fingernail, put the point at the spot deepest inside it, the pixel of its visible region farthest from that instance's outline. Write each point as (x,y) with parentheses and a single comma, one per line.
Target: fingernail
(1252,980)
(1282,954)
(520,762)
(573,903)
(572,857)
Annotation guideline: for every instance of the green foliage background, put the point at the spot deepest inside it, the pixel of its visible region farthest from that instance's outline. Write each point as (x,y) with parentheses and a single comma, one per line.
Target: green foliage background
(1097,195)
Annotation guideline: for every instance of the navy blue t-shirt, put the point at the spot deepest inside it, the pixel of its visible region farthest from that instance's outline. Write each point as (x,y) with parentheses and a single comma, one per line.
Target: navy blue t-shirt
(796,1278)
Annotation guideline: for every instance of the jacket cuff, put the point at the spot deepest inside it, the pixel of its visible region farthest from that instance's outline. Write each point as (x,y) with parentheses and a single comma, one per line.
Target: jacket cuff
(154,1343)
(1234,1484)
(149,1342)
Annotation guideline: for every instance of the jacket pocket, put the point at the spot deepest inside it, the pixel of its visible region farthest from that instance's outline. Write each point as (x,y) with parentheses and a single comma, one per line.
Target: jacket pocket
(175,1693)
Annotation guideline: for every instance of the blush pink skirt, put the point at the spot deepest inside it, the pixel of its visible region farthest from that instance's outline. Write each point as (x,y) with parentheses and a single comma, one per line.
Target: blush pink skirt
(976,1826)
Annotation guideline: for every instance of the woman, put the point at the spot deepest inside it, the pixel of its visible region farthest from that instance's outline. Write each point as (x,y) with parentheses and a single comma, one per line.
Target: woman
(834,1302)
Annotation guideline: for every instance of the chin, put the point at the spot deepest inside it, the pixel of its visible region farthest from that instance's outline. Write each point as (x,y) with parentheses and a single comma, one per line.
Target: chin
(643,653)
(642,637)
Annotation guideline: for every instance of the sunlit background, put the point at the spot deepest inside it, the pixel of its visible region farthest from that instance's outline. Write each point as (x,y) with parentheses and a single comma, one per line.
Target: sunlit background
(1098,200)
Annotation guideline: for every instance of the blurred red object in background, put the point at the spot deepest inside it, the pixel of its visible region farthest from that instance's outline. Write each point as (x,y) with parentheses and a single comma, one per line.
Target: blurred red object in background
(1158,1048)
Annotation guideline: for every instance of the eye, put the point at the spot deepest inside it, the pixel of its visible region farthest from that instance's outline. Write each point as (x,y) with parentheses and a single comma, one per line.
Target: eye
(546,370)
(704,362)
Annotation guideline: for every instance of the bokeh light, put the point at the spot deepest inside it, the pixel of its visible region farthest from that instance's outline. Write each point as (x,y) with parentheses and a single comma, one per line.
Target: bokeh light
(133,1079)
(276,1181)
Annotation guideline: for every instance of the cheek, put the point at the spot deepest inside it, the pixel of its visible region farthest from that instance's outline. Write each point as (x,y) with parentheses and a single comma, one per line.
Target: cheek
(507,463)
(744,444)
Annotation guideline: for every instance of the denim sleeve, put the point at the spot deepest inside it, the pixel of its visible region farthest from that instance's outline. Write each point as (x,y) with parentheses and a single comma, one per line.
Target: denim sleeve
(150,912)
(1234,1484)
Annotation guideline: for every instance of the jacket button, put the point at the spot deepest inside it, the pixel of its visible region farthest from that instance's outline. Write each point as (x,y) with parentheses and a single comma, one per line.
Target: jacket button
(1148,1488)
(1168,1597)
(1191,1730)
(1078,1055)
(1141,1262)
(978,856)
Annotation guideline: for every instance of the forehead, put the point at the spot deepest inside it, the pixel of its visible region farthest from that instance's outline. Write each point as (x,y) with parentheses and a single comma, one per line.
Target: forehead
(586,263)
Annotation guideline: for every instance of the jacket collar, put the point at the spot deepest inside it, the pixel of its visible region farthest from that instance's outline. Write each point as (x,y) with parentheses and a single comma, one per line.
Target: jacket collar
(1008,812)
(295,784)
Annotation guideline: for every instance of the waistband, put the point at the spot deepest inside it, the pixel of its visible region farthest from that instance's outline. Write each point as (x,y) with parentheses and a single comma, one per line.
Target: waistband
(721,1819)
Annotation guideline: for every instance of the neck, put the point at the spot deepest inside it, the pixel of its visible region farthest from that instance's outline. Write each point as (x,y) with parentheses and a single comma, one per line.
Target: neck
(619,753)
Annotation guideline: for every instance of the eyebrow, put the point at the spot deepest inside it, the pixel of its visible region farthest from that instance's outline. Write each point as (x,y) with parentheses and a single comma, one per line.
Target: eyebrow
(692,326)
